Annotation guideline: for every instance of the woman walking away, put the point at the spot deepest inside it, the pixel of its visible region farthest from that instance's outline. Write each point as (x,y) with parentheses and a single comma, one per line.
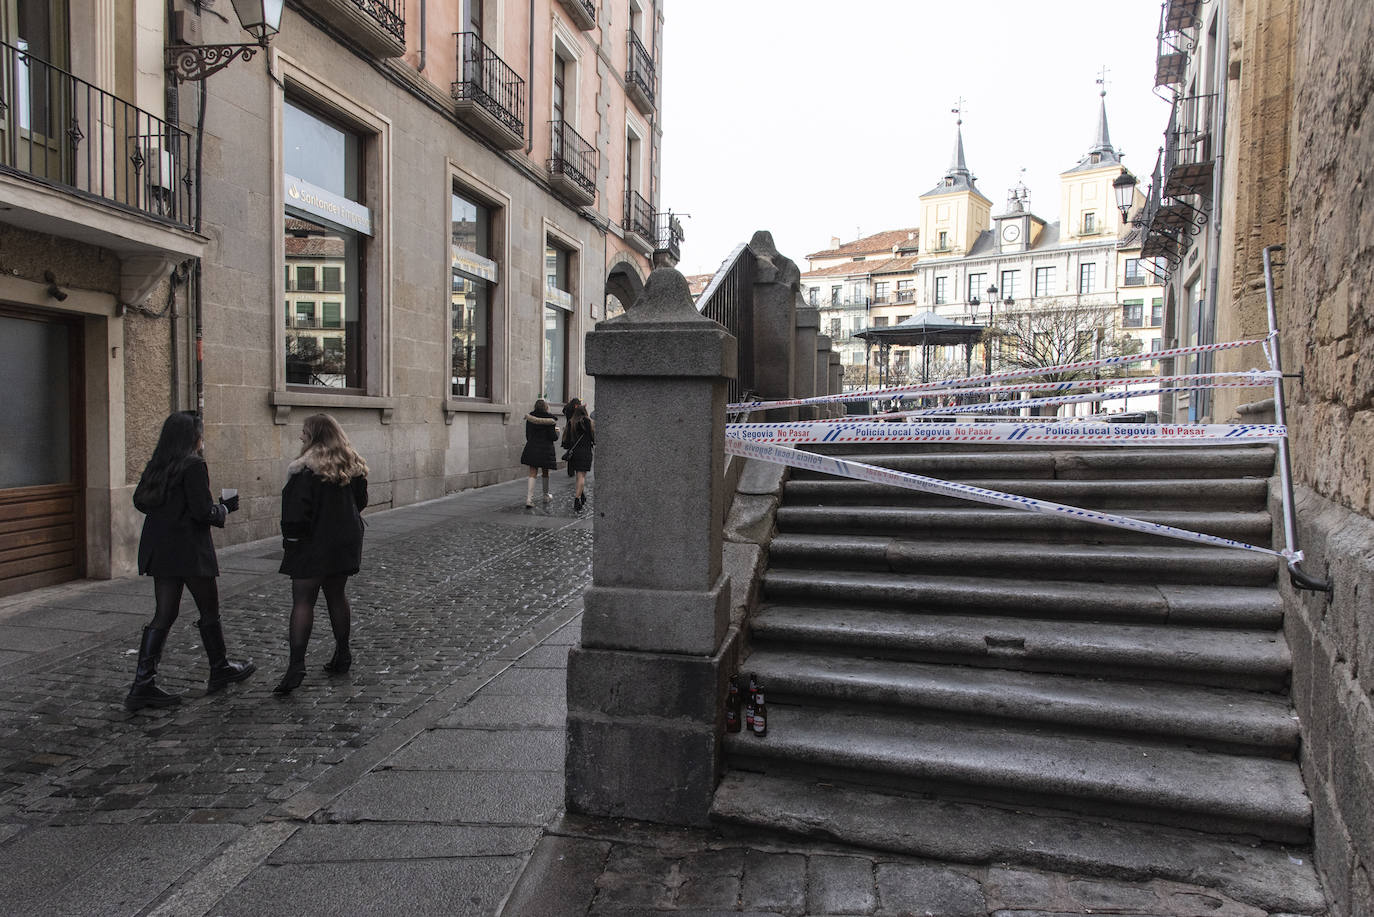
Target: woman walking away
(176,551)
(578,439)
(322,535)
(541,432)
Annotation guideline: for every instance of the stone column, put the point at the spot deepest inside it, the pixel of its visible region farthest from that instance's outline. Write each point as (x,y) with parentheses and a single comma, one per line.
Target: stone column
(804,375)
(777,284)
(822,383)
(837,381)
(646,686)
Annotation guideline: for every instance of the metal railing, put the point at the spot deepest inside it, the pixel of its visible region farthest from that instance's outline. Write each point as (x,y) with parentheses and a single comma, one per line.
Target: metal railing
(668,235)
(640,68)
(60,130)
(729,299)
(1188,158)
(484,78)
(572,156)
(639,216)
(387,13)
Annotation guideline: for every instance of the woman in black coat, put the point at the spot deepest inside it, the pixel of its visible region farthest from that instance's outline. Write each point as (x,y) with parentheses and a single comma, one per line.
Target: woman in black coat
(322,536)
(176,551)
(579,439)
(541,432)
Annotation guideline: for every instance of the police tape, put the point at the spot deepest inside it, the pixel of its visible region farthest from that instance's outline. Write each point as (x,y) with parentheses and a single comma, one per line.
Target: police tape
(1081,433)
(785,455)
(971,381)
(1065,399)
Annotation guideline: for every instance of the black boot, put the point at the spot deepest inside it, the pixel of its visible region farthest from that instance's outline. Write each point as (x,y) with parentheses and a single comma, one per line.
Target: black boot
(295,672)
(222,670)
(145,692)
(342,659)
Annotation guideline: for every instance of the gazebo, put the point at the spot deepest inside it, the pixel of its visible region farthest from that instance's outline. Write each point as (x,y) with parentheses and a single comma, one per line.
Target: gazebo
(925,331)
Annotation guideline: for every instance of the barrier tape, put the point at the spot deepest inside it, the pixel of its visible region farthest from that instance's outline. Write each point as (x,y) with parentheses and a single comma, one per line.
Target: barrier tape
(1081,434)
(784,455)
(1065,399)
(970,381)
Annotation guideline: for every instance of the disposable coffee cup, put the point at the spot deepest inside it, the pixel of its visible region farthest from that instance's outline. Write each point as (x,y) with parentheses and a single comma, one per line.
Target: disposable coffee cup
(228,493)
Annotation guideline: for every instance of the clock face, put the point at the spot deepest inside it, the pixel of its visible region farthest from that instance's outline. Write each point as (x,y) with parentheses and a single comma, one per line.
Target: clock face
(1011,232)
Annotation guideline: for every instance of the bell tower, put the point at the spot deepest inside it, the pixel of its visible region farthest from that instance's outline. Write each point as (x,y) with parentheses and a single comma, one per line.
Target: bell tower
(954,212)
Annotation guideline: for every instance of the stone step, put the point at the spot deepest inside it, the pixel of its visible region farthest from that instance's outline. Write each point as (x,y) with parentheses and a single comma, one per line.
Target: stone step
(1212,718)
(1054,600)
(1248,494)
(976,520)
(1039,768)
(1083,462)
(1271,878)
(1177,562)
(1255,659)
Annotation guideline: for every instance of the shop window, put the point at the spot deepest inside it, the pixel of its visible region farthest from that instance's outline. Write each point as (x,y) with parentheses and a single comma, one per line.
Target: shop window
(473,275)
(558,305)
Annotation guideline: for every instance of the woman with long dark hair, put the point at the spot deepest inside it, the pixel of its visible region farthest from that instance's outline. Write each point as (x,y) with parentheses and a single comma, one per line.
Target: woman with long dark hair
(322,532)
(579,438)
(176,551)
(541,432)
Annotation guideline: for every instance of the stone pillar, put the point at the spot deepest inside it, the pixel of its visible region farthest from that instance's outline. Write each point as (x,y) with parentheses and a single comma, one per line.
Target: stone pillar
(822,383)
(837,381)
(777,285)
(805,375)
(646,686)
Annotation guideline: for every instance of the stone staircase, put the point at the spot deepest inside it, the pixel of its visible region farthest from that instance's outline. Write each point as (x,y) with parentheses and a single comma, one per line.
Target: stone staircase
(964,682)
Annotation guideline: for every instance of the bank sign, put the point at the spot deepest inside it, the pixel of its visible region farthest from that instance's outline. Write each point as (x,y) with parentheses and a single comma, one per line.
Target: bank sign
(335,208)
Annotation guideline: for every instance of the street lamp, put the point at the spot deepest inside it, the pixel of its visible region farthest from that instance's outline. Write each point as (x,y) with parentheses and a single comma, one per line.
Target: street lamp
(259,18)
(987,344)
(1124,188)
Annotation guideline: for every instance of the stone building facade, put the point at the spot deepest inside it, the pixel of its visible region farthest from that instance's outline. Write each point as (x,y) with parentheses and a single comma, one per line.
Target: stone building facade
(405,213)
(1289,85)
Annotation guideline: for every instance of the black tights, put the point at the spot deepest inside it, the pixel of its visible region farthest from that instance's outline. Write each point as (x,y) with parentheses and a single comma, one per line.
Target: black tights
(304,592)
(167,598)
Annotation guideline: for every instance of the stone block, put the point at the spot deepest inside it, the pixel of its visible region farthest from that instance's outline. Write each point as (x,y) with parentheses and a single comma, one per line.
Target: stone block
(656,620)
(647,768)
(744,568)
(774,882)
(1352,775)
(762,478)
(560,878)
(751,519)
(618,683)
(928,889)
(840,885)
(1332,849)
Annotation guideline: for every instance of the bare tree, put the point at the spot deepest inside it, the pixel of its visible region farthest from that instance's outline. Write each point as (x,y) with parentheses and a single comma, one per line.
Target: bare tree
(1053,336)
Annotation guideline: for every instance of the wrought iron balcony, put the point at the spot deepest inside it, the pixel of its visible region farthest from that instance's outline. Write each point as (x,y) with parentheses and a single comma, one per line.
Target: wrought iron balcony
(639,221)
(1181,14)
(378,26)
(1171,63)
(581,12)
(572,164)
(640,79)
(64,132)
(668,235)
(489,96)
(1188,157)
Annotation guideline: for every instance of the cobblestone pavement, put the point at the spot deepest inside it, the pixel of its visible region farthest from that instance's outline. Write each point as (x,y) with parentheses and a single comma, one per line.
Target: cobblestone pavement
(428,607)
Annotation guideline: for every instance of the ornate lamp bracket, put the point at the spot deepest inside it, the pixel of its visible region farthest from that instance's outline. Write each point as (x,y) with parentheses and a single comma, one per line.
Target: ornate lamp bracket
(189,63)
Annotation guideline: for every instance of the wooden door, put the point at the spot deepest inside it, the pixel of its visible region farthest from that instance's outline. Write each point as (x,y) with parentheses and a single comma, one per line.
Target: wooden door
(42,536)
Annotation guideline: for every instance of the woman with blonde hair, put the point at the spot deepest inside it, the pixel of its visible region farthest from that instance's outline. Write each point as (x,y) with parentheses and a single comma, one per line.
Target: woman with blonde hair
(322,535)
(541,432)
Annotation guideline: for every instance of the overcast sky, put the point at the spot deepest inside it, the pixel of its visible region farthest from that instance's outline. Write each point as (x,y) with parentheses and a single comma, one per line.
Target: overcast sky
(817,118)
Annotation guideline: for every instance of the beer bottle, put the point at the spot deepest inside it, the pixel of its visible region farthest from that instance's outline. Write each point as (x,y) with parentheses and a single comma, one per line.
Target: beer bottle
(760,724)
(732,705)
(756,691)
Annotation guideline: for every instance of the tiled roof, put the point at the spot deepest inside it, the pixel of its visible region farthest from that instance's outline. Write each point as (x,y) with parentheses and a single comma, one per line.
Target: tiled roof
(697,283)
(872,245)
(897,265)
(849,269)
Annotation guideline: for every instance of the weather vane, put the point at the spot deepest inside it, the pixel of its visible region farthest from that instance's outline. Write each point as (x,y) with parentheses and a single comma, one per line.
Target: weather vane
(1102,81)
(958,108)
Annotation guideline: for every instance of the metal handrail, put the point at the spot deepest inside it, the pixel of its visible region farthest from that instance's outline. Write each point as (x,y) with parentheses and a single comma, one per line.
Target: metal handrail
(484,78)
(640,67)
(1299,578)
(729,300)
(386,13)
(572,156)
(58,129)
(639,216)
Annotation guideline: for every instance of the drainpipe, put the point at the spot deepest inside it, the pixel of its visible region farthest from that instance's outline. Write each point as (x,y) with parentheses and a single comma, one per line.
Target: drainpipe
(194,291)
(421,68)
(529,145)
(1214,231)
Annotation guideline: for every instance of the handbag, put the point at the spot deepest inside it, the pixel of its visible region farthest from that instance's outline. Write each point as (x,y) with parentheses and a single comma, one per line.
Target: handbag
(567,453)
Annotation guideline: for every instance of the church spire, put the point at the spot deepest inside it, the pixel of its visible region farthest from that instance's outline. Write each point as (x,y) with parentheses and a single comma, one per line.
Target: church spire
(957,176)
(1102,142)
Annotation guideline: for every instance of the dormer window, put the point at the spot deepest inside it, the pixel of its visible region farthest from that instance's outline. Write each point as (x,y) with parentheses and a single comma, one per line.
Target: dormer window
(1095,158)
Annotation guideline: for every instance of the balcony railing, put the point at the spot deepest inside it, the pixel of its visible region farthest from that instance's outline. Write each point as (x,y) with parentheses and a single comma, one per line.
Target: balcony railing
(388,14)
(1188,159)
(1134,280)
(639,217)
(582,12)
(640,79)
(63,131)
(484,80)
(668,235)
(572,158)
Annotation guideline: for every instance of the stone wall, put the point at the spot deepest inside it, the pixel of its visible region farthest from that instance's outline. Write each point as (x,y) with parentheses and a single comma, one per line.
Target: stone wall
(1327,314)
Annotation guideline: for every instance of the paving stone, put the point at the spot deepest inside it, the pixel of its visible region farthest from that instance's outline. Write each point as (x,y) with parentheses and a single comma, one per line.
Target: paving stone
(485,710)
(928,890)
(345,843)
(451,798)
(774,881)
(840,885)
(710,879)
(478,750)
(1020,888)
(636,877)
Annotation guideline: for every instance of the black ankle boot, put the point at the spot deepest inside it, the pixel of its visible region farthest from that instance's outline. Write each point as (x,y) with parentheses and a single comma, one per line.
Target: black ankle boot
(145,692)
(341,661)
(222,670)
(295,672)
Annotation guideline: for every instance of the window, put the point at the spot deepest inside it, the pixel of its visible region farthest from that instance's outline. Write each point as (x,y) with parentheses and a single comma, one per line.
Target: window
(1044,281)
(1157,312)
(557,315)
(880,291)
(906,291)
(941,290)
(1010,283)
(473,275)
(902,318)
(811,296)
(835,295)
(327,227)
(943,242)
(1134,276)
(1132,313)
(902,362)
(976,286)
(332,316)
(880,321)
(1087,277)
(834,331)
(1089,223)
